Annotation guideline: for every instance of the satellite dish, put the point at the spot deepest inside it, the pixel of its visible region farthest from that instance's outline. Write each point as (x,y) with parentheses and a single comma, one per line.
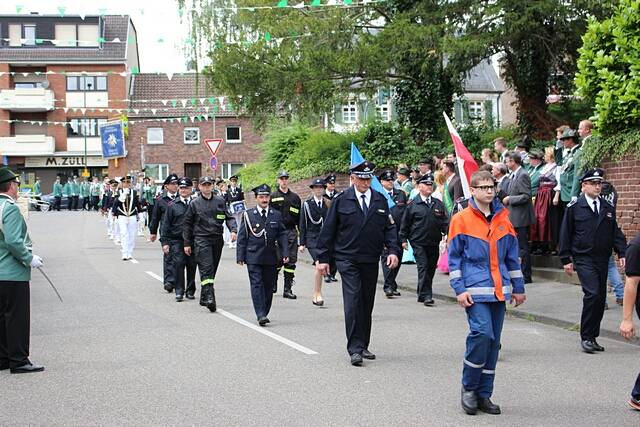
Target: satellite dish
(45,84)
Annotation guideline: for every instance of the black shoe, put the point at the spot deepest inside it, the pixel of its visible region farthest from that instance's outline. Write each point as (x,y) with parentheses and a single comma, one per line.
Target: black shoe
(4,366)
(420,300)
(190,296)
(356,359)
(469,401)
(179,297)
(596,346)
(396,293)
(263,320)
(429,303)
(388,294)
(27,369)
(327,279)
(488,407)
(289,294)
(588,347)
(368,355)
(168,288)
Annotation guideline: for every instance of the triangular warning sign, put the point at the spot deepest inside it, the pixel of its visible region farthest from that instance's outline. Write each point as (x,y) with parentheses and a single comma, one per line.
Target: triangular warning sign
(213,145)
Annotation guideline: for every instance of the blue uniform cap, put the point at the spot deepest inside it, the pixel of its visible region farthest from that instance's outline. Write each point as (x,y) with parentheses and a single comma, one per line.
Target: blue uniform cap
(318,182)
(363,170)
(387,175)
(595,174)
(185,182)
(426,179)
(330,179)
(283,174)
(171,179)
(262,189)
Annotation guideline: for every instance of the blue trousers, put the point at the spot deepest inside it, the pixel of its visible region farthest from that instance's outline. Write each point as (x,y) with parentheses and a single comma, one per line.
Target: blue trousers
(614,278)
(262,279)
(483,342)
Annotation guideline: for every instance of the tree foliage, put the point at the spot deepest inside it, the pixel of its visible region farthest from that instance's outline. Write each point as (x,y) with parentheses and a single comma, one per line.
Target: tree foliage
(609,69)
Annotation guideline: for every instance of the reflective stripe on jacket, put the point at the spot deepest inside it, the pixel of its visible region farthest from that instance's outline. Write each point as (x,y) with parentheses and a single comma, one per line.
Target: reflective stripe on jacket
(483,256)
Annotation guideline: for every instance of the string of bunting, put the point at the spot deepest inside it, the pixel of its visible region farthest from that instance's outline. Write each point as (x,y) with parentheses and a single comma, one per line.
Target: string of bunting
(83,110)
(219,101)
(175,119)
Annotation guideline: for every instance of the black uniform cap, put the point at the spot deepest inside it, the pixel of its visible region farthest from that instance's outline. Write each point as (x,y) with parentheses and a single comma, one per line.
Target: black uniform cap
(232,177)
(262,189)
(185,182)
(363,170)
(387,175)
(330,179)
(171,179)
(318,182)
(404,171)
(595,174)
(426,179)
(283,174)
(206,180)
(126,178)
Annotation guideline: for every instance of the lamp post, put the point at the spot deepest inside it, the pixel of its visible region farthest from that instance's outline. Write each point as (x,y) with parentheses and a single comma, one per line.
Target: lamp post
(86,171)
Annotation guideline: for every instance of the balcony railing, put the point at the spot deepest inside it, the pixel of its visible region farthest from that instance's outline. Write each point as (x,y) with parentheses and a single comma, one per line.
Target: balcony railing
(27,145)
(27,99)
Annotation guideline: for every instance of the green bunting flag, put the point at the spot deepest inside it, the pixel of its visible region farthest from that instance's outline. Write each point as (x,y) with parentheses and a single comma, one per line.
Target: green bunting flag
(61,10)
(316,3)
(283,3)
(267,36)
(348,2)
(19,8)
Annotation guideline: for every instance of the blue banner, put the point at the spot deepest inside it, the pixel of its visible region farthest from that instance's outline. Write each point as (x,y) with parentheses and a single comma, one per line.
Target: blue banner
(112,138)
(356,158)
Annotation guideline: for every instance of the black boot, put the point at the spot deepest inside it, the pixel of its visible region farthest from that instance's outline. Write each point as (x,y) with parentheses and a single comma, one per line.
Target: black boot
(288,283)
(208,297)
(469,401)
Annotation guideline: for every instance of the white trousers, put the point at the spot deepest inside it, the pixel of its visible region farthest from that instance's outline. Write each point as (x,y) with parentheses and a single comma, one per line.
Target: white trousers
(112,226)
(128,229)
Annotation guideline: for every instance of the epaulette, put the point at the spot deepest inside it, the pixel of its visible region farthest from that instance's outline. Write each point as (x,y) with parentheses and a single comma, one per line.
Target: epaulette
(572,202)
(604,199)
(338,194)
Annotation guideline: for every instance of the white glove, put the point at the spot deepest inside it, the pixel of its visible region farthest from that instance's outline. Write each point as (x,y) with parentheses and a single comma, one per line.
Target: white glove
(36,262)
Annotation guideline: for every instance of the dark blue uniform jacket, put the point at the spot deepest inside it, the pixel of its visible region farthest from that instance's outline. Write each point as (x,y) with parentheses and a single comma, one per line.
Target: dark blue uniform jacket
(261,250)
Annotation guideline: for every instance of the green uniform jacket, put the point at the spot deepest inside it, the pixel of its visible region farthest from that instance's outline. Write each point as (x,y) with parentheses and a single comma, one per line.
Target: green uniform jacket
(37,190)
(85,189)
(534,174)
(149,193)
(15,244)
(57,189)
(406,187)
(570,174)
(95,188)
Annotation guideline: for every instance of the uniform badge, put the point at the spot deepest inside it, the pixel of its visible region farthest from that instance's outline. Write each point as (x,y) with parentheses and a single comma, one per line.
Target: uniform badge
(609,215)
(381,211)
(257,225)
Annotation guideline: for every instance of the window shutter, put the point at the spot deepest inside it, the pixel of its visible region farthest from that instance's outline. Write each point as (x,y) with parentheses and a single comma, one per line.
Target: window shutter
(465,111)
(488,112)
(457,111)
(337,115)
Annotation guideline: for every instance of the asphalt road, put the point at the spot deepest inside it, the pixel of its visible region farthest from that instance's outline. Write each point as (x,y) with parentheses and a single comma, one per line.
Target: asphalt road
(120,350)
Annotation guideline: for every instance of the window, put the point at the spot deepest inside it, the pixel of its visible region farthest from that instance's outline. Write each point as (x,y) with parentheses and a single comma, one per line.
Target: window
(30,35)
(234,134)
(192,135)
(229,169)
(65,35)
(155,136)
(159,172)
(88,35)
(384,112)
(84,127)
(476,110)
(350,112)
(27,85)
(15,35)
(87,83)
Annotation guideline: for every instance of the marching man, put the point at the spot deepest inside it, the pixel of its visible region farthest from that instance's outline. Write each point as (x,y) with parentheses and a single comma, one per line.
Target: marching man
(125,208)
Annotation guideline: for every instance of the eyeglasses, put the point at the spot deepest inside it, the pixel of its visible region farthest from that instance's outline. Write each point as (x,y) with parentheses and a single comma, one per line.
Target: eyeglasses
(594,183)
(17,182)
(485,187)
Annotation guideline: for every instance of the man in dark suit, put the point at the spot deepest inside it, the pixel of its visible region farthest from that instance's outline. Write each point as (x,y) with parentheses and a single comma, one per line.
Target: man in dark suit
(260,236)
(400,199)
(356,231)
(453,185)
(521,214)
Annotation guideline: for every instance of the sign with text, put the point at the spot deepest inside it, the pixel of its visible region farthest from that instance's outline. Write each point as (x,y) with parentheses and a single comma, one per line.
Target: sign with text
(64,161)
(112,139)
(213,145)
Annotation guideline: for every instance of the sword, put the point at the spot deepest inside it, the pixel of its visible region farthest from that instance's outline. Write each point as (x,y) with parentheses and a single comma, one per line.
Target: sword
(50,282)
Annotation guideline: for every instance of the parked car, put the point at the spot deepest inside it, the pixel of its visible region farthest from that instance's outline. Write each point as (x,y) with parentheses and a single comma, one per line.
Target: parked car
(64,204)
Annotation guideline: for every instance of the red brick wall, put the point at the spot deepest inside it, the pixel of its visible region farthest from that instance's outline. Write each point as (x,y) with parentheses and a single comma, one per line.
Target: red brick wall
(5,83)
(176,153)
(625,177)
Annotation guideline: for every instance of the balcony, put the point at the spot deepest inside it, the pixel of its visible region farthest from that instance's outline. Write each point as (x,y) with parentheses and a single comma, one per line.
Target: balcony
(27,145)
(27,100)
(76,145)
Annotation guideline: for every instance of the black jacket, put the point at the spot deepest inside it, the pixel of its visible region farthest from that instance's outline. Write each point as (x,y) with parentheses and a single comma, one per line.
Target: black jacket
(289,205)
(423,224)
(172,224)
(401,201)
(126,205)
(259,240)
(159,207)
(587,235)
(348,235)
(233,195)
(205,218)
(311,220)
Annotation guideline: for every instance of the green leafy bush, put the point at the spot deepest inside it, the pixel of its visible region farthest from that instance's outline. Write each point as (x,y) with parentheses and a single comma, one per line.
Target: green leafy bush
(614,147)
(281,141)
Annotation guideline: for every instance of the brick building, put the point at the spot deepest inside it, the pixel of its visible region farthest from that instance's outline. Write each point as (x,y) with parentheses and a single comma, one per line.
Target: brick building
(168,120)
(60,77)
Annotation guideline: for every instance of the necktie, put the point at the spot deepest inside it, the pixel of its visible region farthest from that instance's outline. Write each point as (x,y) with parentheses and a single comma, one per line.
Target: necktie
(595,207)
(365,208)
(391,194)
(264,215)
(319,205)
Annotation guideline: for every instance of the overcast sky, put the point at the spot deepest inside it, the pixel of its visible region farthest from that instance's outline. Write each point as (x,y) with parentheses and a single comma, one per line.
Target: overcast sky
(153,19)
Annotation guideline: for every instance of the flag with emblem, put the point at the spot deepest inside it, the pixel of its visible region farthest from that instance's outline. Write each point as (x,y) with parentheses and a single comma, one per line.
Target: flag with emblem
(466,163)
(356,157)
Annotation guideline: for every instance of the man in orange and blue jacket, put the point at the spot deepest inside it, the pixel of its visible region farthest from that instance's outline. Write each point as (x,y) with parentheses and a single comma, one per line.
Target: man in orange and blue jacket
(484,272)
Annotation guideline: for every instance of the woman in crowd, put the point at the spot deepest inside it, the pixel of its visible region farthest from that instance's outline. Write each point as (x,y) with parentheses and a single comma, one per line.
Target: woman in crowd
(488,156)
(547,226)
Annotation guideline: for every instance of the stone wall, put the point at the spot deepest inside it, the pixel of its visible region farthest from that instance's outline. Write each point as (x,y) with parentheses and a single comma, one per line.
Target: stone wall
(625,177)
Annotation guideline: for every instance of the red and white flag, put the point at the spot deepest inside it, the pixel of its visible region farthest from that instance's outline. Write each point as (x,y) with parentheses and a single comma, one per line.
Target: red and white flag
(466,163)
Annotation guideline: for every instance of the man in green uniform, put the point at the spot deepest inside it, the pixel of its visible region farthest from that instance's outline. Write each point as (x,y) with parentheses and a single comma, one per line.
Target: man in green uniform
(570,172)
(16,261)
(37,192)
(57,194)
(85,192)
(535,166)
(94,193)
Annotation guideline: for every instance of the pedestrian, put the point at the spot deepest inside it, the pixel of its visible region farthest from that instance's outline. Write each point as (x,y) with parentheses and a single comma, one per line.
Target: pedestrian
(314,211)
(57,194)
(488,156)
(126,208)
(203,237)
(518,202)
(424,224)
(289,204)
(425,166)
(107,207)
(171,238)
(37,193)
(329,194)
(85,193)
(159,207)
(522,148)
(94,193)
(631,298)
(404,181)
(356,230)
(484,273)
(588,235)
(235,200)
(16,261)
(610,194)
(400,200)
(263,244)
(500,145)
(568,188)
(73,193)
(453,191)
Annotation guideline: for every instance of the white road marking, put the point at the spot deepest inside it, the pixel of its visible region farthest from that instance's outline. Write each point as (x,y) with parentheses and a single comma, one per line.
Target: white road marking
(135,261)
(256,328)
(155,276)
(270,334)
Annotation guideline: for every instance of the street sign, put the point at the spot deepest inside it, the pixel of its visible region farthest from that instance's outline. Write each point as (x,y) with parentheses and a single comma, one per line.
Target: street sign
(214,163)
(213,145)
(112,138)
